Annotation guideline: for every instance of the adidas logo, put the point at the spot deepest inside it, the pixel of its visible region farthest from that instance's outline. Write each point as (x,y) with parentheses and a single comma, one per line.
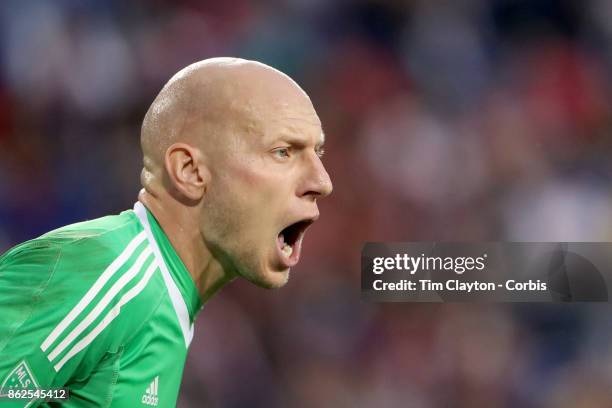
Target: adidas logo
(150,395)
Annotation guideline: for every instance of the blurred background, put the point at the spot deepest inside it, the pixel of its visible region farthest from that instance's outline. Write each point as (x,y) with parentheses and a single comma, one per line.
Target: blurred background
(446,120)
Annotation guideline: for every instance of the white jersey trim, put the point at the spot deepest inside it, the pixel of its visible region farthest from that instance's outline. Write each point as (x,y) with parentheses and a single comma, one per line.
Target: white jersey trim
(110,316)
(94,290)
(103,303)
(178,302)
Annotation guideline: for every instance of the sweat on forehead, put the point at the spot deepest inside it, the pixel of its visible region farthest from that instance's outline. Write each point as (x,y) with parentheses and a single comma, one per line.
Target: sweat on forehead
(215,93)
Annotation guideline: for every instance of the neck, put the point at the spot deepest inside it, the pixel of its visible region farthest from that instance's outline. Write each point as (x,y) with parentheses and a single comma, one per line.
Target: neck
(177,222)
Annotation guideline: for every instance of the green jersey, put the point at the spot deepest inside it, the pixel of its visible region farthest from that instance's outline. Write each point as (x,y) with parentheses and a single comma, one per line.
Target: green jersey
(104,308)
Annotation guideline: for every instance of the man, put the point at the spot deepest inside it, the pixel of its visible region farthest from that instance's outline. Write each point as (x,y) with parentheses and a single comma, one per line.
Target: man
(231,177)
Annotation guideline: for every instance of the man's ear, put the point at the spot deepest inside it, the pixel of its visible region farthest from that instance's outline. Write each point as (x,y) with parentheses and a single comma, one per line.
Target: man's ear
(186,170)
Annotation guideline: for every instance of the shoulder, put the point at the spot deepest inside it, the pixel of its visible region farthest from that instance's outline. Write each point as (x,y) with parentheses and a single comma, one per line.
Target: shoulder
(97,259)
(103,287)
(86,246)
(90,265)
(114,229)
(89,286)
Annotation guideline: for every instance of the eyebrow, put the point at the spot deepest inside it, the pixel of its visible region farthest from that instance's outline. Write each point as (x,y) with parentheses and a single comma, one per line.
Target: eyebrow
(296,140)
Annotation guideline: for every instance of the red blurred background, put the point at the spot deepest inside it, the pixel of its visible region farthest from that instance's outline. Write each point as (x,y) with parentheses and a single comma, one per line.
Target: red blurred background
(445,120)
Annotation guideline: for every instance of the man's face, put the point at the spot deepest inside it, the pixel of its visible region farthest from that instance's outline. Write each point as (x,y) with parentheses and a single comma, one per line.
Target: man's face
(266,177)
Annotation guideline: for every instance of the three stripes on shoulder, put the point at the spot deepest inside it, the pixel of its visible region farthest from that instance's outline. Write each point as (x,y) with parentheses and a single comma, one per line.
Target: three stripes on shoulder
(69,340)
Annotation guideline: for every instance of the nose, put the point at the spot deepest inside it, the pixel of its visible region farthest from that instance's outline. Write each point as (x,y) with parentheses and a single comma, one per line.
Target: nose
(317,182)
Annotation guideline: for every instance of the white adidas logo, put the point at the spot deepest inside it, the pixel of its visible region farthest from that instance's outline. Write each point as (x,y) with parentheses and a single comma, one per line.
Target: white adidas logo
(150,395)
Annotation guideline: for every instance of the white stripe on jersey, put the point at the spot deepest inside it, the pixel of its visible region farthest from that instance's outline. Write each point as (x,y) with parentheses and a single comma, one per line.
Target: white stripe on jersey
(110,316)
(175,295)
(93,291)
(99,308)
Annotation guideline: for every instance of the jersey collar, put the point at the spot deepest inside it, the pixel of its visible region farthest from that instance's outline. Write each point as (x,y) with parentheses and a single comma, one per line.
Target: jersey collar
(183,291)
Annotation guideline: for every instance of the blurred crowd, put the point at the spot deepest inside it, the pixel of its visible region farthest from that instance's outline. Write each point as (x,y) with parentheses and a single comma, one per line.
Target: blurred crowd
(467,120)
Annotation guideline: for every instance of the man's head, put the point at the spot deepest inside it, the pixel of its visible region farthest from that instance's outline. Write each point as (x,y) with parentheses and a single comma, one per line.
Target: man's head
(237,144)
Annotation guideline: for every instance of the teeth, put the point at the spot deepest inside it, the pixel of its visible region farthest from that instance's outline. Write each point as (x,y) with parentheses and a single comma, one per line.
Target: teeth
(287,250)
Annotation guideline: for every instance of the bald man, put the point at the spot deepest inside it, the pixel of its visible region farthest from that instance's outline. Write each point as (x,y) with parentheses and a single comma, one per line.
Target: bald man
(104,309)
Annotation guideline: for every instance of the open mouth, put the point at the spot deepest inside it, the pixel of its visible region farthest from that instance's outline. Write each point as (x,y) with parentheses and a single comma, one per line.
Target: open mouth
(289,241)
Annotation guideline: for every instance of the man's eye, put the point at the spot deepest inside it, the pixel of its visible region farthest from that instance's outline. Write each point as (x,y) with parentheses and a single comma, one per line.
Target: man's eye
(320,152)
(282,152)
